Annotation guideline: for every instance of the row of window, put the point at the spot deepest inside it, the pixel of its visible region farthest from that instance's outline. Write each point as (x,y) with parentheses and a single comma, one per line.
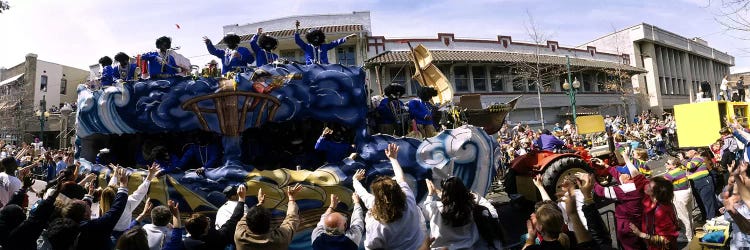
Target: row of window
(345,55)
(492,78)
(63,85)
(673,74)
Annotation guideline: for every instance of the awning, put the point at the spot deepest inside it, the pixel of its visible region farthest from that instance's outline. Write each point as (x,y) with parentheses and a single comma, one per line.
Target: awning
(12,79)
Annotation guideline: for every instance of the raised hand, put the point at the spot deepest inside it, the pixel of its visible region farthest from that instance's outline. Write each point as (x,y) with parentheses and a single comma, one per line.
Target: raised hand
(392,151)
(241,192)
(334,201)
(355,198)
(174,208)
(537,181)
(122,177)
(206,39)
(261,196)
(152,171)
(292,191)
(359,174)
(430,187)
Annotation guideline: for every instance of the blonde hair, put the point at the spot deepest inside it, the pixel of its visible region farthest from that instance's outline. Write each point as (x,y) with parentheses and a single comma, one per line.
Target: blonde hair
(106,198)
(390,200)
(641,154)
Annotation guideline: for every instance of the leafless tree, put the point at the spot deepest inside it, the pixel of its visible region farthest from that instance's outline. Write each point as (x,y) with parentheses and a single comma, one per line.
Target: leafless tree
(4,6)
(734,15)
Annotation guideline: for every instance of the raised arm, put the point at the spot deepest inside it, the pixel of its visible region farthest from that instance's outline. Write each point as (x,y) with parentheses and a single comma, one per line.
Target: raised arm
(338,42)
(291,221)
(392,153)
(538,183)
(254,41)
(360,190)
(629,163)
(357,224)
(211,49)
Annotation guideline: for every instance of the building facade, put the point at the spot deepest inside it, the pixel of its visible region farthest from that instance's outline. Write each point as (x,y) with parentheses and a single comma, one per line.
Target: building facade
(676,65)
(23,90)
(615,79)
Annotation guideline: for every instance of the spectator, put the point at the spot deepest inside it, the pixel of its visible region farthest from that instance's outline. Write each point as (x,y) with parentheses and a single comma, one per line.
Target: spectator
(159,232)
(659,226)
(682,196)
(227,210)
(134,200)
(95,234)
(17,231)
(203,236)
(136,237)
(547,141)
(254,231)
(331,232)
(451,220)
(64,233)
(702,183)
(393,220)
(9,184)
(640,157)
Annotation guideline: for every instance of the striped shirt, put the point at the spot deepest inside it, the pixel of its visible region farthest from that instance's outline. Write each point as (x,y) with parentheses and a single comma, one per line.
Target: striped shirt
(697,168)
(642,167)
(678,177)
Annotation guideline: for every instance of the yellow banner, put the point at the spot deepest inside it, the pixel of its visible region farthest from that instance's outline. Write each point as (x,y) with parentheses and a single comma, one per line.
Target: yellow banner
(590,124)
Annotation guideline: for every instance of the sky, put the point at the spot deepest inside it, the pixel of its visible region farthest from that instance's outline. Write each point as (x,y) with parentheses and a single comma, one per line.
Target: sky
(78,32)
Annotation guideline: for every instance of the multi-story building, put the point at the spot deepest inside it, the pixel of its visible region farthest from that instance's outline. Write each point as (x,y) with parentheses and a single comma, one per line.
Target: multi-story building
(500,69)
(23,90)
(676,65)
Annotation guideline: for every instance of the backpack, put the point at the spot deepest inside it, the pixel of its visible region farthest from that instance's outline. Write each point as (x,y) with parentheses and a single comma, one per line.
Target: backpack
(489,228)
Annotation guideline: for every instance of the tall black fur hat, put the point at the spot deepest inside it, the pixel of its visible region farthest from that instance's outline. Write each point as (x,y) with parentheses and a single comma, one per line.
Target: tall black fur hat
(394,90)
(105,61)
(316,37)
(267,43)
(122,58)
(232,40)
(425,93)
(163,43)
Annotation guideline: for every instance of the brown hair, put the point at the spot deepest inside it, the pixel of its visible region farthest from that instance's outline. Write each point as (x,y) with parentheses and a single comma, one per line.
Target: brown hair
(196,225)
(641,154)
(390,200)
(133,239)
(551,220)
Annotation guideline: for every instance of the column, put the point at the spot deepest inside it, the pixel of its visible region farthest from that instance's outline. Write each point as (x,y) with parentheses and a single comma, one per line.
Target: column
(652,78)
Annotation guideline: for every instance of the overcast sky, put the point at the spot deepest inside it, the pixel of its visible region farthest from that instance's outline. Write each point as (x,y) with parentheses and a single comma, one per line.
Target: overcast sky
(77,33)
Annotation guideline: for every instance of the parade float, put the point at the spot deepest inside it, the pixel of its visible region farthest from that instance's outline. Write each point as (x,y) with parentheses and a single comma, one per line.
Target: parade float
(266,138)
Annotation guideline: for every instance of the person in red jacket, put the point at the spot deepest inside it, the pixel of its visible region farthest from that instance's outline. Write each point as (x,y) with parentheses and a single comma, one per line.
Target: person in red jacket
(659,226)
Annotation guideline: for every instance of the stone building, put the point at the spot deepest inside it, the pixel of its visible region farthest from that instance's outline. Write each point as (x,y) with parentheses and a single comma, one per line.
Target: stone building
(24,87)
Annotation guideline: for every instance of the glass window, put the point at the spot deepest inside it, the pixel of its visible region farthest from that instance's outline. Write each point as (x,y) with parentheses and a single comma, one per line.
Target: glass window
(63,86)
(43,86)
(496,79)
(479,78)
(346,55)
(461,78)
(519,84)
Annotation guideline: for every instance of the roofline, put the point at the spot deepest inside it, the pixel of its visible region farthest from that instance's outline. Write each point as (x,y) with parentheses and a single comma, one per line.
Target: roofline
(62,65)
(616,31)
(498,41)
(280,18)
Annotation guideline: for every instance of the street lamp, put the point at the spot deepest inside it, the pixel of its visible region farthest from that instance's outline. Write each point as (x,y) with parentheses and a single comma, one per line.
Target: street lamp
(571,90)
(65,111)
(43,115)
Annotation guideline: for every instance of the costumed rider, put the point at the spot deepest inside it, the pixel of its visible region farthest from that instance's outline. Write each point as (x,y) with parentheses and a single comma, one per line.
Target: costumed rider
(166,62)
(107,71)
(204,154)
(420,109)
(316,50)
(391,110)
(334,145)
(125,71)
(234,57)
(211,69)
(264,52)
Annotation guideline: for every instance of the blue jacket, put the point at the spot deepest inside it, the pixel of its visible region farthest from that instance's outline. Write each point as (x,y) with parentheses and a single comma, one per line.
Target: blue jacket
(241,59)
(335,151)
(420,111)
(156,68)
(550,142)
(263,57)
(128,75)
(108,75)
(386,109)
(317,54)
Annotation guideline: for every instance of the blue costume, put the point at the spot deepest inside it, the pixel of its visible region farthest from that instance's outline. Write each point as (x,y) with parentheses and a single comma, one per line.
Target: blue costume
(335,151)
(263,57)
(108,74)
(159,65)
(317,54)
(420,111)
(388,108)
(125,74)
(229,60)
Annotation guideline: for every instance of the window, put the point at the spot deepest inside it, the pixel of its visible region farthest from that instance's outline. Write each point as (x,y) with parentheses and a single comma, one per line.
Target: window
(519,84)
(496,79)
(63,86)
(43,86)
(292,55)
(461,79)
(479,78)
(346,55)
